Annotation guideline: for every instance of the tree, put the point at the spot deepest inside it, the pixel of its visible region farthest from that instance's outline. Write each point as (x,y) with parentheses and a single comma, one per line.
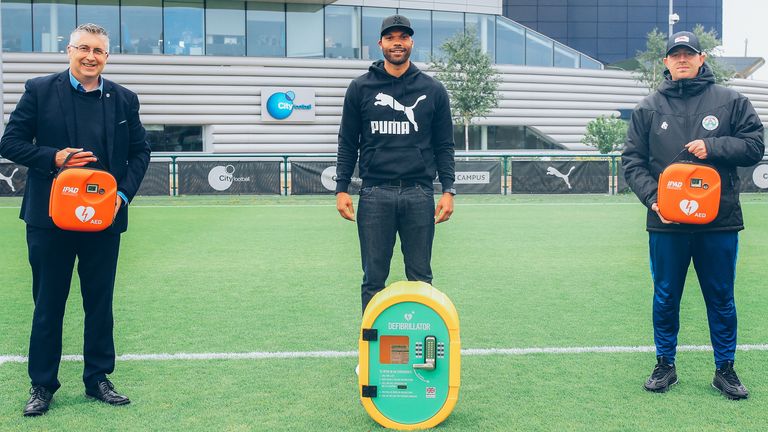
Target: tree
(605,133)
(468,75)
(651,69)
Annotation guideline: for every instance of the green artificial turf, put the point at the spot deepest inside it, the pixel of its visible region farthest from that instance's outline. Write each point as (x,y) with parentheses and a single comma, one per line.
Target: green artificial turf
(243,274)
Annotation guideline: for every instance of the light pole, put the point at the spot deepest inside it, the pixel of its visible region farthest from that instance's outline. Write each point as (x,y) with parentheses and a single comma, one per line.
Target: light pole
(673,18)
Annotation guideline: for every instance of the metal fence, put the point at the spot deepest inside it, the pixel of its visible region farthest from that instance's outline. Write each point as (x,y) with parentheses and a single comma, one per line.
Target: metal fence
(505,160)
(314,173)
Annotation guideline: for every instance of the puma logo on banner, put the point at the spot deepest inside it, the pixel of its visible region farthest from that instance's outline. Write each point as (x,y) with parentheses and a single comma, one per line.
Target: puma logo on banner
(383,99)
(8,179)
(554,172)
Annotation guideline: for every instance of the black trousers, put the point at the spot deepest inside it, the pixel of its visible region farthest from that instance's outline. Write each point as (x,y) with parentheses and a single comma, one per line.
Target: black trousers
(52,254)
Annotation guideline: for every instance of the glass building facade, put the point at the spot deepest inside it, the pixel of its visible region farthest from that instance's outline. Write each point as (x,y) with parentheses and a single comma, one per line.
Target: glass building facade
(268,29)
(611,30)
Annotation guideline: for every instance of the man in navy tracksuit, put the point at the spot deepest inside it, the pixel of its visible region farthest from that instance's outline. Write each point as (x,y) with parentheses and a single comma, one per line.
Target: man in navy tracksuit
(398,120)
(718,127)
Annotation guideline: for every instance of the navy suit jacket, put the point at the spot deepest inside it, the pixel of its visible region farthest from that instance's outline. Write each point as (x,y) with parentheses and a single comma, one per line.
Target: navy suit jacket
(44,123)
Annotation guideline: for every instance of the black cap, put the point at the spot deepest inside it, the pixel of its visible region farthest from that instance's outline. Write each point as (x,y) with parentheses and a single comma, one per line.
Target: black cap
(683,38)
(396,21)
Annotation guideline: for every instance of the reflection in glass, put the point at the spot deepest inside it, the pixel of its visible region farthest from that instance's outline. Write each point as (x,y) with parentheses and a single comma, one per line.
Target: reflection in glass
(588,63)
(142,26)
(17,25)
(52,22)
(484,27)
(105,13)
(266,29)
(538,49)
(372,18)
(511,42)
(164,138)
(566,57)
(475,137)
(504,138)
(421,23)
(304,28)
(225,27)
(445,25)
(342,32)
(183,23)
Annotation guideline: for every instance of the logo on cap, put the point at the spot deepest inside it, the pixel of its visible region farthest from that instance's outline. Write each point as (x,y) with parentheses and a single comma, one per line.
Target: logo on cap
(397,20)
(682,39)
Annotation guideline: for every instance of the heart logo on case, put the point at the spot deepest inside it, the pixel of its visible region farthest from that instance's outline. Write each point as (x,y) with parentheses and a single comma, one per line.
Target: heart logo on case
(688,207)
(85,213)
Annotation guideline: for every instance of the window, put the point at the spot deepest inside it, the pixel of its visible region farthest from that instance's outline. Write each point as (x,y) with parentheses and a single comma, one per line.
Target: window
(142,25)
(52,22)
(511,42)
(503,138)
(372,18)
(566,57)
(175,139)
(225,28)
(588,63)
(484,27)
(266,29)
(475,137)
(538,49)
(445,25)
(183,23)
(17,25)
(421,23)
(342,32)
(537,140)
(105,13)
(304,30)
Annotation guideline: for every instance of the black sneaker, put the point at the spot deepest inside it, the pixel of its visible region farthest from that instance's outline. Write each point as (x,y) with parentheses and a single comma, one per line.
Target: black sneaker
(663,376)
(727,382)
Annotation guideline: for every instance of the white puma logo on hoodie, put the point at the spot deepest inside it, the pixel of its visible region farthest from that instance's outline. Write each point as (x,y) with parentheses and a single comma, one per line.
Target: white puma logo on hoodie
(383,99)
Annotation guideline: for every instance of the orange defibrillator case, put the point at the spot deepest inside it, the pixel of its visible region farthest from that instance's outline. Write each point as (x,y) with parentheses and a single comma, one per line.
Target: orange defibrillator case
(83,199)
(689,193)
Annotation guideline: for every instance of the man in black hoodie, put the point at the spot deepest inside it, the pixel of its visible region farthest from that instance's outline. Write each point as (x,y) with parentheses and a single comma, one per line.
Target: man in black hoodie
(398,120)
(689,115)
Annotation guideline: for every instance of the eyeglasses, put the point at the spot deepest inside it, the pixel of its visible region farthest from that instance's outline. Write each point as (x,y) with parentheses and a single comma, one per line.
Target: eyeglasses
(85,49)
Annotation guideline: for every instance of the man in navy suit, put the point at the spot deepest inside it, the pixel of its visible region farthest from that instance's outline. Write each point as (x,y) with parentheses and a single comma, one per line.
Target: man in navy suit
(75,111)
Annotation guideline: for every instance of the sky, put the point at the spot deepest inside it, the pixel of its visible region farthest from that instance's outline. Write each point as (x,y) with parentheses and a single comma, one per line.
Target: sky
(746,19)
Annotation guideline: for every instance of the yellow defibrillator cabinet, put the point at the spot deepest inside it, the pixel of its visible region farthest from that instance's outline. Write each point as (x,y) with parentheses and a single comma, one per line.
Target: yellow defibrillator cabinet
(410,356)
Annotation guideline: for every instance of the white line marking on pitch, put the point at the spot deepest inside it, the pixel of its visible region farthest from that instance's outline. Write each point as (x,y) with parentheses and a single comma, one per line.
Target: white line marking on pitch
(345,354)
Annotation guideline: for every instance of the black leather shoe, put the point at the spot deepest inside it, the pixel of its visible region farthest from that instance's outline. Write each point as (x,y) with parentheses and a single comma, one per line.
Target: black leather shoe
(39,401)
(105,392)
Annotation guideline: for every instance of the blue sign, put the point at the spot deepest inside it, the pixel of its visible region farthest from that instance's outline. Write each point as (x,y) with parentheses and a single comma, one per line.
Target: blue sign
(281,104)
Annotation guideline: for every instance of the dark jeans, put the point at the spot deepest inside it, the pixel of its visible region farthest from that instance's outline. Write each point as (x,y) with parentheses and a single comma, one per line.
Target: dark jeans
(52,254)
(714,258)
(384,212)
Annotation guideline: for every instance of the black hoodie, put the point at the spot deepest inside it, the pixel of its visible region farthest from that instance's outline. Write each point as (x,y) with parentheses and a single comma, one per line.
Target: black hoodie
(683,111)
(400,126)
